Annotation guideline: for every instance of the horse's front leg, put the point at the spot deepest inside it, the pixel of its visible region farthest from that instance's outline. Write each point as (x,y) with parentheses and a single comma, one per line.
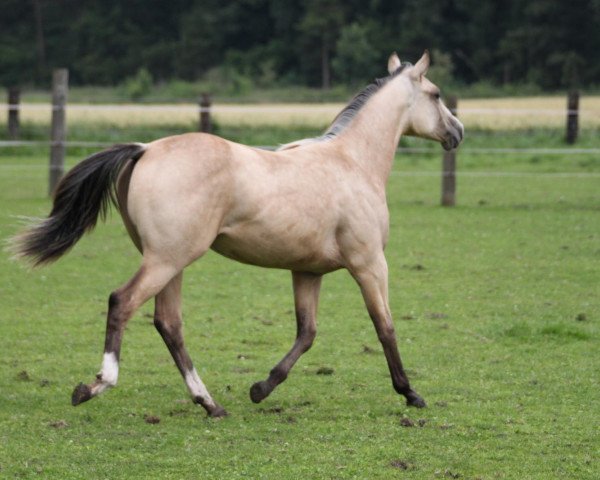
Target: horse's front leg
(306,299)
(373,281)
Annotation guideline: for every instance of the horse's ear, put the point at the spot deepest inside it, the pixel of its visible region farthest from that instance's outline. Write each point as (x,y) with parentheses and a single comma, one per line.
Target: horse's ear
(393,63)
(421,66)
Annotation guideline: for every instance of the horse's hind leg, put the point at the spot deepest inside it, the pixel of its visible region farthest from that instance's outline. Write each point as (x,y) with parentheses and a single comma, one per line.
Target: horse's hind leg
(167,319)
(122,303)
(306,299)
(373,282)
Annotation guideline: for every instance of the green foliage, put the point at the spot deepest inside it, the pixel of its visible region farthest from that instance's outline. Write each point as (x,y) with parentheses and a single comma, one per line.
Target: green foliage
(19,64)
(572,65)
(356,59)
(229,81)
(139,85)
(320,26)
(441,70)
(549,43)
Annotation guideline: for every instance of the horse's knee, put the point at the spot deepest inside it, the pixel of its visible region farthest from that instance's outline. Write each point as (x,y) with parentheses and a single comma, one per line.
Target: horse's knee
(278,374)
(386,334)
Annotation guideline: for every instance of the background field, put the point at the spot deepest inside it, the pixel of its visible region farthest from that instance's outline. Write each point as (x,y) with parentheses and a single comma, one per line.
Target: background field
(476,113)
(496,305)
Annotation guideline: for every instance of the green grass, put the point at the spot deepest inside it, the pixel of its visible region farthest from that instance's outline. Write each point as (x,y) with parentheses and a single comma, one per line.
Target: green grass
(496,306)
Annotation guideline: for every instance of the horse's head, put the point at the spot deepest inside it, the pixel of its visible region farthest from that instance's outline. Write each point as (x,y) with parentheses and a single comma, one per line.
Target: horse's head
(427,116)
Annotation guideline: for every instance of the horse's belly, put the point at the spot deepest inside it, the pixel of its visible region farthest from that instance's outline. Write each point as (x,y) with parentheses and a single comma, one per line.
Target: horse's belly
(319,255)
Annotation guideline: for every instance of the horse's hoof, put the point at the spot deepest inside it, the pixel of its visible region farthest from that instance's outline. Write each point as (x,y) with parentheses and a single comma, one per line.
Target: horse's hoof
(258,392)
(218,412)
(82,393)
(414,400)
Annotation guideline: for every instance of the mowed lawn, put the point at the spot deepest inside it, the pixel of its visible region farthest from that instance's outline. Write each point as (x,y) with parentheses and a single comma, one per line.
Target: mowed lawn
(497,311)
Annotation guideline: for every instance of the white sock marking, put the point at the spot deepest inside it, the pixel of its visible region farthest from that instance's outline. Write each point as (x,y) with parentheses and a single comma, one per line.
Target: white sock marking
(110,369)
(197,387)
(108,374)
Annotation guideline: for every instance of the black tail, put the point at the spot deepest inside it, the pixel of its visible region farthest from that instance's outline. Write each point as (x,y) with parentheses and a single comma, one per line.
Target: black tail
(82,195)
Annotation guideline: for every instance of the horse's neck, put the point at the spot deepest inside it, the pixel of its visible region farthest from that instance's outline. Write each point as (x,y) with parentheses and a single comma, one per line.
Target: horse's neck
(372,137)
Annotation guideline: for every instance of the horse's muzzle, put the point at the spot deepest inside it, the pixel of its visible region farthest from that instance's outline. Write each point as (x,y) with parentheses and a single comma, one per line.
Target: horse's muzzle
(454,135)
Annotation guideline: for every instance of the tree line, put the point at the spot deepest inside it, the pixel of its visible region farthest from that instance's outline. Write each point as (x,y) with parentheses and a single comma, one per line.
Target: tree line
(549,43)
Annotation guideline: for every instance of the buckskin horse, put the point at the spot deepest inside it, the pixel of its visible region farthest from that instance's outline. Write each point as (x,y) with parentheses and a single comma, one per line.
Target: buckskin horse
(311,207)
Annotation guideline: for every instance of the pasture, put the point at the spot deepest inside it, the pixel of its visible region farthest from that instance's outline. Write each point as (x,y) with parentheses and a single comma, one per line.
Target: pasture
(497,311)
(515,113)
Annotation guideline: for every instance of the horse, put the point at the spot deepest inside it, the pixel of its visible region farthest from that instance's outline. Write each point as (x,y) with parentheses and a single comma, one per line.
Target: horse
(311,207)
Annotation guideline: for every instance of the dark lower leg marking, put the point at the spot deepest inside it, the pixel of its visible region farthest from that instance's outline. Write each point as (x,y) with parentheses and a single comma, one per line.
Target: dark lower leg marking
(167,320)
(305,336)
(114,325)
(174,342)
(121,305)
(400,380)
(306,296)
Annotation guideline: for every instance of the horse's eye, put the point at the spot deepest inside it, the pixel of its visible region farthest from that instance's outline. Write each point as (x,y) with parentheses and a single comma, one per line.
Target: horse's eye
(437,95)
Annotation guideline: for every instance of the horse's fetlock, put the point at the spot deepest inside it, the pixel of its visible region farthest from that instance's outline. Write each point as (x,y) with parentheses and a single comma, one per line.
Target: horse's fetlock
(112,381)
(278,374)
(403,388)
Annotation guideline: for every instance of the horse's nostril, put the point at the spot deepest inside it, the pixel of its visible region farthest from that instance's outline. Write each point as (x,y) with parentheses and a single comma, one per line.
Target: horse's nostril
(457,133)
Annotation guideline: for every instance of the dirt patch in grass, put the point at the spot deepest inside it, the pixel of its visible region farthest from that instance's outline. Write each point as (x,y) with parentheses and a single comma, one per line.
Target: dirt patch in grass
(400,464)
(58,424)
(325,371)
(151,419)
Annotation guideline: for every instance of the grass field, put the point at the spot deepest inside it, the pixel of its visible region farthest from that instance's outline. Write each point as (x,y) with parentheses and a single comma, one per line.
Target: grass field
(497,310)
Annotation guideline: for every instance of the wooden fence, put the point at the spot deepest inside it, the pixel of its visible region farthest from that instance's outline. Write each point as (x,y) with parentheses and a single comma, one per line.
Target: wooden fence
(59,131)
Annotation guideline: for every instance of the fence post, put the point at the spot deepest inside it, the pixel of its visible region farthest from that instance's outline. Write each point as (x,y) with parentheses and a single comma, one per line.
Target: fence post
(205,107)
(60,86)
(572,116)
(14,98)
(449,165)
